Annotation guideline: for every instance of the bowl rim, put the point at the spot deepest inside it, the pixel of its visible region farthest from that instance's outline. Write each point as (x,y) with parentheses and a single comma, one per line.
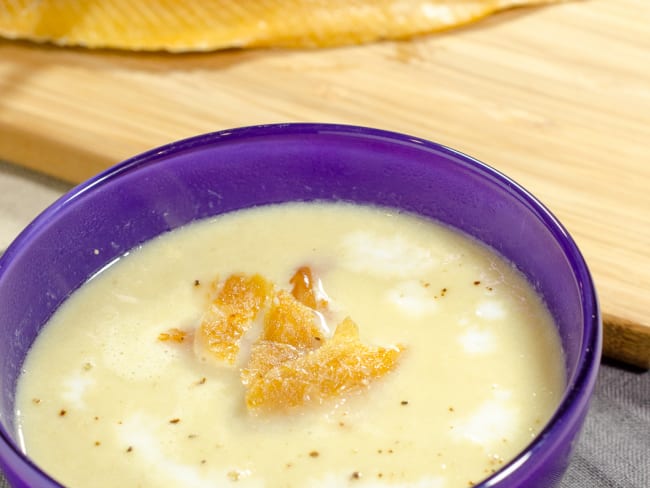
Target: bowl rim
(578,388)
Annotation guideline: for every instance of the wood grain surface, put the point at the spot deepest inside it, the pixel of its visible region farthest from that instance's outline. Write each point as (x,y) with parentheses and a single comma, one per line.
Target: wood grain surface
(556,97)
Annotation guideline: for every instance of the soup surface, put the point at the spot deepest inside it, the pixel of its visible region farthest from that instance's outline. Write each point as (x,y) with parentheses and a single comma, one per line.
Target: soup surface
(103,402)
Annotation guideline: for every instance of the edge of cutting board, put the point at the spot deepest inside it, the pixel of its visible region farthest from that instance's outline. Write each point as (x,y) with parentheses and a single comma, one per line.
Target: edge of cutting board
(626,341)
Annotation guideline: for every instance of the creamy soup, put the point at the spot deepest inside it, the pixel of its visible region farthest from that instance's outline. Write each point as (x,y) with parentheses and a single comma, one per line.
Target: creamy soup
(104,402)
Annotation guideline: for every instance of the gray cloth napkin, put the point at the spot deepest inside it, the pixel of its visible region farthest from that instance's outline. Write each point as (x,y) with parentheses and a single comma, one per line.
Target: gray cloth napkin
(614,449)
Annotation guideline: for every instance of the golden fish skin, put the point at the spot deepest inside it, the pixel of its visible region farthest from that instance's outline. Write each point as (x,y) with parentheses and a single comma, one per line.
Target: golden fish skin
(179,25)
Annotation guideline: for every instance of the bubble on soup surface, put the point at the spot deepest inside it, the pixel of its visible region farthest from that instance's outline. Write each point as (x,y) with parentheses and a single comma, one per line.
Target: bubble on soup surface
(412,298)
(385,257)
(477,340)
(495,419)
(490,310)
(74,388)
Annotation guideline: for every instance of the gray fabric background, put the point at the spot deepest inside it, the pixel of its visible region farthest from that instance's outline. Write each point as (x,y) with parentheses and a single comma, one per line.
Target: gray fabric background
(614,449)
(613,452)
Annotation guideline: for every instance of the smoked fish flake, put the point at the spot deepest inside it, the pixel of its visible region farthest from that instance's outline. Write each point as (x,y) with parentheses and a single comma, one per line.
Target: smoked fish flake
(180,26)
(230,315)
(341,365)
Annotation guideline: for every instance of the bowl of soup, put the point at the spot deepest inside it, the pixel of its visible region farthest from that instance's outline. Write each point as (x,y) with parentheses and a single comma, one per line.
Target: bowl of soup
(300,305)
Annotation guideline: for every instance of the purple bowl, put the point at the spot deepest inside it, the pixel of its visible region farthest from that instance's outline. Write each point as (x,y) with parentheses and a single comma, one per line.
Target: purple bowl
(215,173)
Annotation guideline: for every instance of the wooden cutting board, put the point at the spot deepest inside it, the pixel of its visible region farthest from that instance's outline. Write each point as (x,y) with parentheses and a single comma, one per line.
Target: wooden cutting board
(556,97)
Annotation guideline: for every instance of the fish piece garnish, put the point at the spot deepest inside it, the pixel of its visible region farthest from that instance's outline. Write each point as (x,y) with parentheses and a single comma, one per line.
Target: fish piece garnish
(238,302)
(173,335)
(282,378)
(307,290)
(293,362)
(290,322)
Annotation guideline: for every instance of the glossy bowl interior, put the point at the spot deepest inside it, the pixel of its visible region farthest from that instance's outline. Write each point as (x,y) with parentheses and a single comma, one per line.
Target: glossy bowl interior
(163,189)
